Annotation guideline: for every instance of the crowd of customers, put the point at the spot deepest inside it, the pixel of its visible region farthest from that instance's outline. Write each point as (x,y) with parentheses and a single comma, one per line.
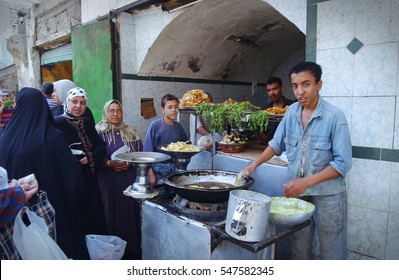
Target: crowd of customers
(85,188)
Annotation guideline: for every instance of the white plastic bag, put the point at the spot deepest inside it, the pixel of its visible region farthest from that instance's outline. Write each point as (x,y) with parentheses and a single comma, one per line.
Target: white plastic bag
(105,247)
(33,241)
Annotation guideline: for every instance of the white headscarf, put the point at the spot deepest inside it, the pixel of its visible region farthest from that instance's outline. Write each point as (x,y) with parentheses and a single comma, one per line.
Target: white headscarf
(62,87)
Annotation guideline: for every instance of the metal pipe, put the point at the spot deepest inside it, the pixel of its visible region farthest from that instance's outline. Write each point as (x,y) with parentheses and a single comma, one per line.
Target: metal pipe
(184,6)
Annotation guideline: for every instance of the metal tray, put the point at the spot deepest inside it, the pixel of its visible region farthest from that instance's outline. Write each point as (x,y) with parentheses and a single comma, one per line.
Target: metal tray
(189,110)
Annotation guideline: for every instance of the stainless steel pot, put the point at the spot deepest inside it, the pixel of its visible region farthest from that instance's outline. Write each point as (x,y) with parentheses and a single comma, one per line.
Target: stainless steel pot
(206,186)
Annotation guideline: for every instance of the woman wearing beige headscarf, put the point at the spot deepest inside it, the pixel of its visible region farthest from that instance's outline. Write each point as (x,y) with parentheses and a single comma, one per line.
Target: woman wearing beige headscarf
(122,213)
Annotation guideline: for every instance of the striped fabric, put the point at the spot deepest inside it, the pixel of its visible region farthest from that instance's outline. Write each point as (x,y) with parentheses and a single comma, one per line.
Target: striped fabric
(51,102)
(6,116)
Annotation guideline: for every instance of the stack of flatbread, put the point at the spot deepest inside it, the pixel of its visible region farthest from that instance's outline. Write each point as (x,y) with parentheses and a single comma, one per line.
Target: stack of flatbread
(193,98)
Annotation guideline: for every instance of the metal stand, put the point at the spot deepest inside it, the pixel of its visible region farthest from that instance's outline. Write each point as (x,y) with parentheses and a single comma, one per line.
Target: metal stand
(142,161)
(220,234)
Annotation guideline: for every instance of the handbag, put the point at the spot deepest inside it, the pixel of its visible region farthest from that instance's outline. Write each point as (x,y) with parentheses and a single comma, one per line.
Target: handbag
(7,246)
(42,207)
(32,240)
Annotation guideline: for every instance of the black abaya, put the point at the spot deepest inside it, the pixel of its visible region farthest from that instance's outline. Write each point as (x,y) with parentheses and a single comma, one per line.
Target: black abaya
(32,144)
(90,203)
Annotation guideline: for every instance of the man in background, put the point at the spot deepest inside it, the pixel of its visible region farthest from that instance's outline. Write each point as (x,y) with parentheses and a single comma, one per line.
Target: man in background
(48,90)
(274,89)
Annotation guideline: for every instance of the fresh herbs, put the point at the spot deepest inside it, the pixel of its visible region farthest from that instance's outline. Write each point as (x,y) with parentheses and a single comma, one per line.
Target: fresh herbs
(233,114)
(214,113)
(258,120)
(8,103)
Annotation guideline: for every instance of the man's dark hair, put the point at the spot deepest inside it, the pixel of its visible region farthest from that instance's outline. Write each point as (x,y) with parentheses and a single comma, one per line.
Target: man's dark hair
(313,68)
(168,97)
(272,80)
(47,88)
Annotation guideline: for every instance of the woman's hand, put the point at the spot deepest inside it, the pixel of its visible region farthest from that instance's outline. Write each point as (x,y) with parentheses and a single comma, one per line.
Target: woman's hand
(84,160)
(30,189)
(119,166)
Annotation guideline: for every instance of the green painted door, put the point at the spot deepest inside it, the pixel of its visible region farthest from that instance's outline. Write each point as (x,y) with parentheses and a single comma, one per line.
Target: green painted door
(91,63)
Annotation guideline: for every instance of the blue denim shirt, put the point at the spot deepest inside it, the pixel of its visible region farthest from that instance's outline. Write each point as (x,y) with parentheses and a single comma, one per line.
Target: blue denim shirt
(325,141)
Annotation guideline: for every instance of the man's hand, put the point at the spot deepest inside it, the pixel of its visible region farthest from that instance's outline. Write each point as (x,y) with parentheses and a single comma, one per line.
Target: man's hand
(295,187)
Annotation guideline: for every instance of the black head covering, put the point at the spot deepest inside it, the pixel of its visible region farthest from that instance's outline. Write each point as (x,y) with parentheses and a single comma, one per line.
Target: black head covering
(47,88)
(25,134)
(32,144)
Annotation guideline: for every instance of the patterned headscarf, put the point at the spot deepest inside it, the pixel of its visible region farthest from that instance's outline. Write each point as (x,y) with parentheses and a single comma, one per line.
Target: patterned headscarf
(128,134)
(74,92)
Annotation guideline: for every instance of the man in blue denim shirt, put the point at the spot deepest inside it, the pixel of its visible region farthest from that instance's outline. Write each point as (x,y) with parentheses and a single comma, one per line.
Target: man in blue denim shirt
(316,138)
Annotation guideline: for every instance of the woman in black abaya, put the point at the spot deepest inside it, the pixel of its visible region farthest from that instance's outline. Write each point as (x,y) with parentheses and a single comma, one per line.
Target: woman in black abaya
(81,133)
(32,144)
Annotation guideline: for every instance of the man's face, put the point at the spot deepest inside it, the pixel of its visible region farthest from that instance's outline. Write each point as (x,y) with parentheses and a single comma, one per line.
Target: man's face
(274,91)
(306,89)
(171,109)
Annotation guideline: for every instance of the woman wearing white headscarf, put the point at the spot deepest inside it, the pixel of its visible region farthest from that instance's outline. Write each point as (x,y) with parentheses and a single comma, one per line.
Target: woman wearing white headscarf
(82,134)
(61,89)
(122,213)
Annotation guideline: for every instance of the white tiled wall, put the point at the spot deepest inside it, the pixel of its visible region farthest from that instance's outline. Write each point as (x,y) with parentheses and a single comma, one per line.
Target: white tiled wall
(373,223)
(334,13)
(369,79)
(148,25)
(372,121)
(375,69)
(294,10)
(128,43)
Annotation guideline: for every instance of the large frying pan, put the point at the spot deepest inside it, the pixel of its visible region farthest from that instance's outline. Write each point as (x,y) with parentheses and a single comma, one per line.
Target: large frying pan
(206,186)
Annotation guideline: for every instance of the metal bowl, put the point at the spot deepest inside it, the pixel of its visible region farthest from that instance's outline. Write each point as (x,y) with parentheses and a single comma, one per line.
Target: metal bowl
(290,211)
(180,154)
(142,157)
(180,158)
